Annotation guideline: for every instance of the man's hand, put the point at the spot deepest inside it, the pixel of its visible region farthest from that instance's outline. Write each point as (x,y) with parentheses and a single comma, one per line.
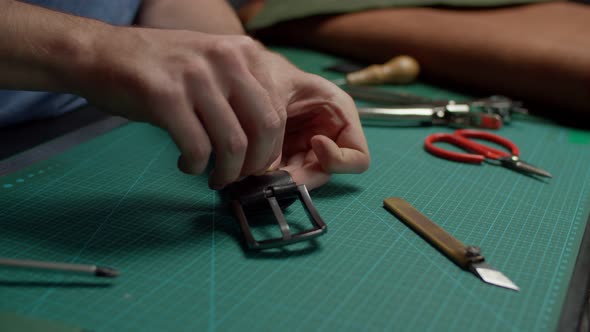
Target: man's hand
(323,133)
(224,94)
(227,95)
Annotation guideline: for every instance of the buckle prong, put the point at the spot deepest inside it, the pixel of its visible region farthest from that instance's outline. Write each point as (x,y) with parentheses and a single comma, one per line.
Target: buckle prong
(276,209)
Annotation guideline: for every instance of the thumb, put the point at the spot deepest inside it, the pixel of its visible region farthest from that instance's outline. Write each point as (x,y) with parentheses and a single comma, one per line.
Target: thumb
(335,159)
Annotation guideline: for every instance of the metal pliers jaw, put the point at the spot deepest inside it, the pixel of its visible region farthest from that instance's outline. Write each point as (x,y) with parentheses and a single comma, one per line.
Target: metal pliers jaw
(461,115)
(500,105)
(275,190)
(396,106)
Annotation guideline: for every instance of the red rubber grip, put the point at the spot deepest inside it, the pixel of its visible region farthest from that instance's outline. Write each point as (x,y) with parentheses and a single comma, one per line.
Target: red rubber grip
(460,138)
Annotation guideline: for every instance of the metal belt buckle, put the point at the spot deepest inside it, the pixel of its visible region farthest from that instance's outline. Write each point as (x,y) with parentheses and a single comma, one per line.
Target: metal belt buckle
(277,191)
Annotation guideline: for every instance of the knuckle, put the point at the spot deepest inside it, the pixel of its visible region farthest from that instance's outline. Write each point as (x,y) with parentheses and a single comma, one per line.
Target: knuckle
(199,72)
(167,92)
(229,58)
(221,47)
(271,123)
(224,50)
(236,144)
(197,64)
(151,85)
(195,159)
(200,153)
(232,49)
(246,43)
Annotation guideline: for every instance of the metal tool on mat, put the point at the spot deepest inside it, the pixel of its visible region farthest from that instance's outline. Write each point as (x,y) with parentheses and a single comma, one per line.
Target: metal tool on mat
(388,97)
(503,106)
(392,101)
(462,139)
(98,271)
(451,115)
(467,257)
(401,69)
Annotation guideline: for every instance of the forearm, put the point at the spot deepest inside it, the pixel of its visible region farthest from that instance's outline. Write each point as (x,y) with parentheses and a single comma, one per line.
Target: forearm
(39,47)
(211,16)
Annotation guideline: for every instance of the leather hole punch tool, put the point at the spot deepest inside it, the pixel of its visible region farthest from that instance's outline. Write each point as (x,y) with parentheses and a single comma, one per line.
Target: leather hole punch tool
(275,190)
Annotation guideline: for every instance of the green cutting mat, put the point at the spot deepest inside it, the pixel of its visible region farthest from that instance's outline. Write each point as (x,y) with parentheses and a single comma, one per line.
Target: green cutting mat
(119,200)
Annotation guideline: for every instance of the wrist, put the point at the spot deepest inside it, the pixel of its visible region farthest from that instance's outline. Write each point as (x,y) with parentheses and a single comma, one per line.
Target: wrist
(40,48)
(79,56)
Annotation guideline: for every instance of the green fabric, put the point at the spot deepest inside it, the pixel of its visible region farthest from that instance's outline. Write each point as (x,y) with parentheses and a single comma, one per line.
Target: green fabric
(276,11)
(579,137)
(118,200)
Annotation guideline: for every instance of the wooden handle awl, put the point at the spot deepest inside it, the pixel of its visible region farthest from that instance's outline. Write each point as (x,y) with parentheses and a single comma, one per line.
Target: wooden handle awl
(399,70)
(461,254)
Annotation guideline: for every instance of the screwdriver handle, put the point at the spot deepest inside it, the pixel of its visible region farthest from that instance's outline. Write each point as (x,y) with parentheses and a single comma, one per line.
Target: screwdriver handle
(438,237)
(399,70)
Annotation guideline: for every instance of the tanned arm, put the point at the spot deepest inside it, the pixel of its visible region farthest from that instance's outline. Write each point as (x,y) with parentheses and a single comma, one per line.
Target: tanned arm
(210,16)
(39,47)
